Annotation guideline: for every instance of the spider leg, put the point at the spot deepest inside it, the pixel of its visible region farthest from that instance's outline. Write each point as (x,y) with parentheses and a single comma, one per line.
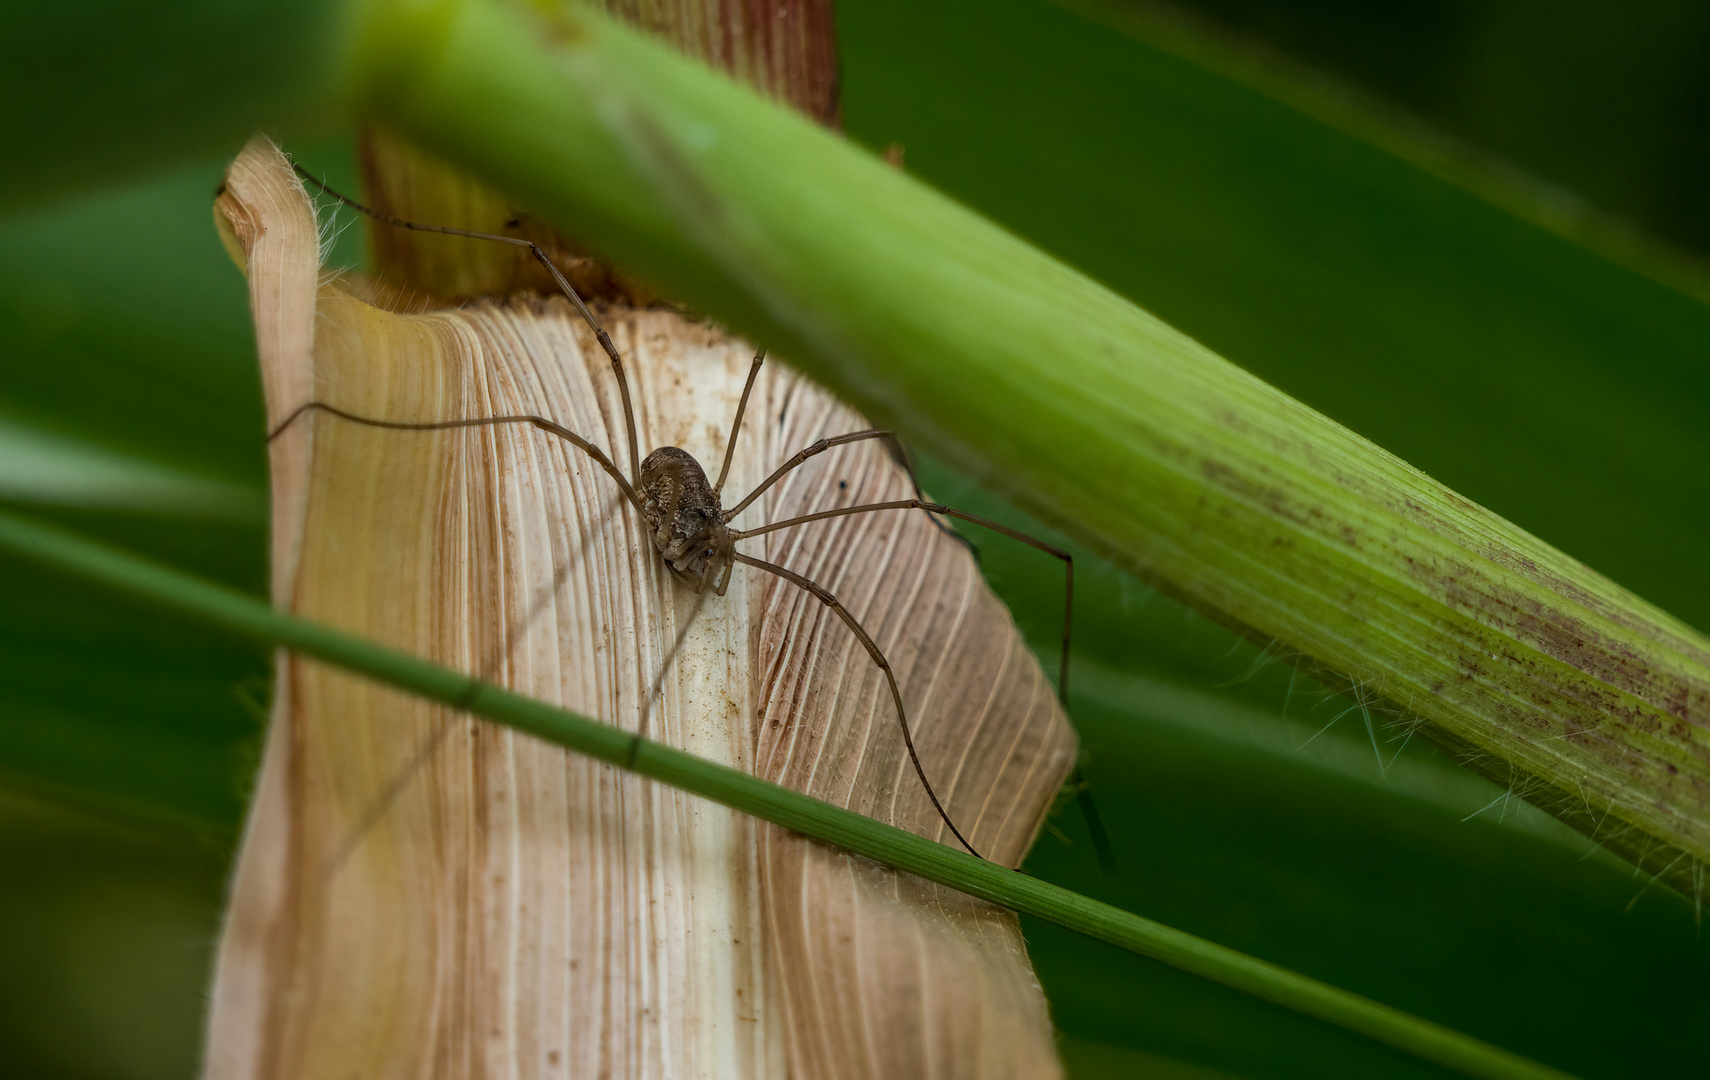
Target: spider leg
(781,471)
(670,659)
(442,727)
(543,259)
(1102,848)
(940,509)
(905,461)
(824,596)
(540,422)
(736,425)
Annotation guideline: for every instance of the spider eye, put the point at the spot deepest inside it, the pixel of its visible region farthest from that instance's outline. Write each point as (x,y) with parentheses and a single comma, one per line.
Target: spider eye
(708,553)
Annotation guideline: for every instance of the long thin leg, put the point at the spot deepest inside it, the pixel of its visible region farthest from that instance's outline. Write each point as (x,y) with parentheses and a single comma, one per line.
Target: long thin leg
(736,426)
(823,595)
(540,422)
(1102,848)
(905,461)
(541,257)
(670,659)
(442,726)
(819,447)
(939,508)
(893,445)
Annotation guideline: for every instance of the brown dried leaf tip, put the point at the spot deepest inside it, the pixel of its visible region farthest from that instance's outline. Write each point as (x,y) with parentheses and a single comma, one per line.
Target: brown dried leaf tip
(421,894)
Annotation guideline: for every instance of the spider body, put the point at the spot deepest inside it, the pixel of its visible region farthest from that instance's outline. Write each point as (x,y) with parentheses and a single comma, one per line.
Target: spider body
(685,520)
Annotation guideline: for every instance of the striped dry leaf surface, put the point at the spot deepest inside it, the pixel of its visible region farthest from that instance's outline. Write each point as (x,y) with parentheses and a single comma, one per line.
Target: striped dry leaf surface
(420,890)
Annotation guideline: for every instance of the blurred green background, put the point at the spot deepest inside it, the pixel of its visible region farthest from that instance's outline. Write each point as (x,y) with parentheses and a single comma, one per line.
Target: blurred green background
(1465,230)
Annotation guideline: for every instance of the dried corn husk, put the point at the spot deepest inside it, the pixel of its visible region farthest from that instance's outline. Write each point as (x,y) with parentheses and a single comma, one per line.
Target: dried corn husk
(421,893)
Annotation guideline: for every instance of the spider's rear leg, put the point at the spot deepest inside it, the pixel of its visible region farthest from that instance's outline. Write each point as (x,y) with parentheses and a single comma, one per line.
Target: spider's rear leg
(1102,849)
(824,596)
(900,454)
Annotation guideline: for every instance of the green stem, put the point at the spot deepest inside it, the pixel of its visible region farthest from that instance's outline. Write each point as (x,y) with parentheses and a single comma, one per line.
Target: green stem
(1087,411)
(232,610)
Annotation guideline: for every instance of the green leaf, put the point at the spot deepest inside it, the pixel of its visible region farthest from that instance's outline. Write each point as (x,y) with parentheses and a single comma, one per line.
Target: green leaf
(105,90)
(132,409)
(230,610)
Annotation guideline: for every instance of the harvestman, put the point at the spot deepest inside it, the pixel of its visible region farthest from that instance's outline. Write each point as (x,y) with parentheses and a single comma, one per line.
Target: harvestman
(684,518)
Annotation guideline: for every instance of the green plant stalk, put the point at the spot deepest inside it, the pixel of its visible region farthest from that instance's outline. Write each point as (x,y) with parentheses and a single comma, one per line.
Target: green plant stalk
(227,608)
(1081,407)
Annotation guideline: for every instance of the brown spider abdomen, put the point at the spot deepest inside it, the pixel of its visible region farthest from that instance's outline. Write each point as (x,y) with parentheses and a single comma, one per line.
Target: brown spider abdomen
(684,518)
